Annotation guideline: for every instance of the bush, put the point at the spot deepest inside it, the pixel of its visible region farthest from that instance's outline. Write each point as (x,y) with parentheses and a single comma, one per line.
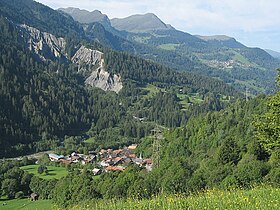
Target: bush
(42,169)
(19,195)
(275,158)
(252,172)
(273,176)
(229,182)
(229,152)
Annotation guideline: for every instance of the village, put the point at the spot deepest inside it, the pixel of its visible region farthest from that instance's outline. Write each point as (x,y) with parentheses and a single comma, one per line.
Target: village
(105,160)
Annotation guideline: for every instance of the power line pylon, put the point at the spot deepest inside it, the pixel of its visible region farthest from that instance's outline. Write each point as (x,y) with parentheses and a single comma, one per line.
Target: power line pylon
(157,135)
(247,94)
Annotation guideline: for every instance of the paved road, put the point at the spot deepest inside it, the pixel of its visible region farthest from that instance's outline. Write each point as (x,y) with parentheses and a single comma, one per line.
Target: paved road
(35,155)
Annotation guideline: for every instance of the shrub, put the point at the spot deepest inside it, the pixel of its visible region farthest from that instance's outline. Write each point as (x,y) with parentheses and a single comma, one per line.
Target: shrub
(19,195)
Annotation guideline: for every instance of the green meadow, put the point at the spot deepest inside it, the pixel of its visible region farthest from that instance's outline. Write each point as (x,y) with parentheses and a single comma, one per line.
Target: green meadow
(26,204)
(53,171)
(264,198)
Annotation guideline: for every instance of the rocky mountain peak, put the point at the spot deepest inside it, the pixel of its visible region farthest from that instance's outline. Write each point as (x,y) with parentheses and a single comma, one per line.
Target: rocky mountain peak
(140,23)
(84,16)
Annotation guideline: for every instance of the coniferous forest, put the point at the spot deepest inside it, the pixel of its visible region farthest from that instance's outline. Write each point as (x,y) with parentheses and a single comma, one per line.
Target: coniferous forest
(213,135)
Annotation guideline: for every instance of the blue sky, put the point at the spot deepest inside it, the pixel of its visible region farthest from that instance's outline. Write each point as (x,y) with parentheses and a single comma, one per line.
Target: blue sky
(255,23)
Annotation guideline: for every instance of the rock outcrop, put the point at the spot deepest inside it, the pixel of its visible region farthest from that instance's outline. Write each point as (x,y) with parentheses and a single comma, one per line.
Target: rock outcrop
(87,56)
(87,59)
(104,80)
(49,47)
(45,45)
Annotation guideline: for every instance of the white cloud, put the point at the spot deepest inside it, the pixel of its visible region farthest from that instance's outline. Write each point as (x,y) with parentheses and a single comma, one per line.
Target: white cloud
(198,17)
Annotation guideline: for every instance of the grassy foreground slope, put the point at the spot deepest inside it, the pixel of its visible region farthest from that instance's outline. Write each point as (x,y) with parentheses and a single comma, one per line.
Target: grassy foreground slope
(257,198)
(26,204)
(264,197)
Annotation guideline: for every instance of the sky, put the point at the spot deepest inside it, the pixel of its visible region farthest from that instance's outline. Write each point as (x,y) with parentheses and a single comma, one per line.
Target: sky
(255,23)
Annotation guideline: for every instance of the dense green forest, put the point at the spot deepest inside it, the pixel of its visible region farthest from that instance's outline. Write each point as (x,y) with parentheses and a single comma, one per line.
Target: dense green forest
(211,136)
(44,101)
(217,150)
(39,16)
(35,99)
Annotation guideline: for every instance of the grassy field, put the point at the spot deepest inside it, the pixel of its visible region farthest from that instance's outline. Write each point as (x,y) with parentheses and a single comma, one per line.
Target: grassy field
(153,90)
(171,47)
(90,140)
(265,198)
(194,98)
(53,172)
(26,204)
(251,84)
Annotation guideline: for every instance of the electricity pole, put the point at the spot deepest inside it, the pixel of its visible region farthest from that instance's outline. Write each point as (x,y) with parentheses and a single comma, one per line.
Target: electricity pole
(157,135)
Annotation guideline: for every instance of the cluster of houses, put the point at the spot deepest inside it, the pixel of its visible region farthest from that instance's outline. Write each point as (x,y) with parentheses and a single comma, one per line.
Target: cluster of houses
(74,157)
(106,160)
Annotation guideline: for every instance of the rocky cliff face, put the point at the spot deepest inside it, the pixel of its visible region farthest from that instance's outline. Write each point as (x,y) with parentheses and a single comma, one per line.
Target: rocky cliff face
(87,56)
(49,47)
(45,45)
(88,59)
(104,80)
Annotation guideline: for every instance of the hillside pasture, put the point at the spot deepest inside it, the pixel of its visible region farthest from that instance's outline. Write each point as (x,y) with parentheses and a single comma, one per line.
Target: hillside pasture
(53,171)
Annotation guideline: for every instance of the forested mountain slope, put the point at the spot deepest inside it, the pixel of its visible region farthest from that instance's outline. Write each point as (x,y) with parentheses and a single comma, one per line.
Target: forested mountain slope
(216,151)
(216,56)
(65,88)
(273,53)
(47,79)
(41,17)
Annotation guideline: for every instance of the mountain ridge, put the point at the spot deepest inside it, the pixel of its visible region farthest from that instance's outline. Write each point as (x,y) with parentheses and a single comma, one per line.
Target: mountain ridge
(140,23)
(194,132)
(217,56)
(273,53)
(84,16)
(222,40)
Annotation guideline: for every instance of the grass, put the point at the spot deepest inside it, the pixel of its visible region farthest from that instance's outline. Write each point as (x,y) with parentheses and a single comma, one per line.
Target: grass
(142,39)
(241,58)
(257,198)
(25,204)
(171,47)
(251,84)
(53,171)
(97,177)
(194,98)
(262,197)
(153,90)
(90,140)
